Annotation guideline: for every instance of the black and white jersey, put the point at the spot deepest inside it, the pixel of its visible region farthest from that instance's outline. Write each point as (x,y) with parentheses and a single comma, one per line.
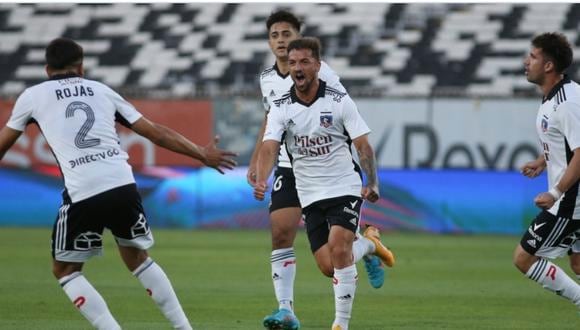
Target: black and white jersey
(317,137)
(274,85)
(77,118)
(558,126)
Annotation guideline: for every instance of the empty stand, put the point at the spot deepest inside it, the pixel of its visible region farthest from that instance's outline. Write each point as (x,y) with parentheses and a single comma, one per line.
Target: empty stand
(218,49)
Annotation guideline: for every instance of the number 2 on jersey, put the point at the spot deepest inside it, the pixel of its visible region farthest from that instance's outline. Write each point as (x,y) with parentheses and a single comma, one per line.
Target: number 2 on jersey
(80,140)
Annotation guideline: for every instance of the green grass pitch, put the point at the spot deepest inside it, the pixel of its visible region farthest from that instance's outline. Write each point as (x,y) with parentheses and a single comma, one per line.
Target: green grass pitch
(223,281)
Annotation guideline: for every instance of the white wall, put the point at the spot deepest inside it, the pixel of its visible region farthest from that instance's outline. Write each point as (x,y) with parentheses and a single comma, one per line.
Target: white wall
(452,133)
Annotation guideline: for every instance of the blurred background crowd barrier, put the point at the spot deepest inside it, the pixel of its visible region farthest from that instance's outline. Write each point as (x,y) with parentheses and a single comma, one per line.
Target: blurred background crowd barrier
(440,85)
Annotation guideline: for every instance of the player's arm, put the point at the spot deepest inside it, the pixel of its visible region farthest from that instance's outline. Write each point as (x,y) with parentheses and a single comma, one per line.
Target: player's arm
(368,164)
(571,176)
(169,139)
(569,120)
(266,161)
(268,151)
(359,131)
(252,168)
(8,137)
(19,118)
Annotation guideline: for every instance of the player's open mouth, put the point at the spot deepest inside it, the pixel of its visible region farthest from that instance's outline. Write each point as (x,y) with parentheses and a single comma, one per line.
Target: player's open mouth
(300,77)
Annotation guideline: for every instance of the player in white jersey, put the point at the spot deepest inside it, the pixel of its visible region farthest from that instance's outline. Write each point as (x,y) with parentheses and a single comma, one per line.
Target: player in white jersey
(285,212)
(77,118)
(317,124)
(556,230)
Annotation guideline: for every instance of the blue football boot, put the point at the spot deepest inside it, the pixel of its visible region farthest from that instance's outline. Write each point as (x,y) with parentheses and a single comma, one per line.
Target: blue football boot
(281,319)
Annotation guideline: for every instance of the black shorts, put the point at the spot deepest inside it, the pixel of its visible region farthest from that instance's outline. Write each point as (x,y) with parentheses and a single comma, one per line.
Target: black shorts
(77,234)
(550,236)
(284,192)
(319,216)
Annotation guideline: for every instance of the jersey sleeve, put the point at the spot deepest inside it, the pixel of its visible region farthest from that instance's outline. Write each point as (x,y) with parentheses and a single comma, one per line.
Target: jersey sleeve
(265,102)
(571,123)
(330,77)
(274,125)
(22,112)
(353,122)
(125,109)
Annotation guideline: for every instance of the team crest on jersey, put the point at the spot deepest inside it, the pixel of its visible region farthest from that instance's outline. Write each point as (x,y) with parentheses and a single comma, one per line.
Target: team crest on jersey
(544,125)
(326,121)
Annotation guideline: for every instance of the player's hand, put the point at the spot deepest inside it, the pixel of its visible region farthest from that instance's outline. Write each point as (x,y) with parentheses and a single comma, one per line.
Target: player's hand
(260,189)
(533,169)
(251,175)
(544,200)
(370,193)
(218,159)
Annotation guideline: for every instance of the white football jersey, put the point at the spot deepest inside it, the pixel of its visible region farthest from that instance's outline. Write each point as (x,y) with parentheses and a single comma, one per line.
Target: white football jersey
(274,85)
(558,126)
(77,118)
(317,137)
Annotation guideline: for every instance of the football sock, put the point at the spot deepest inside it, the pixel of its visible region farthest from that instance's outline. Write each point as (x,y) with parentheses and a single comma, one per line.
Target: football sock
(153,278)
(88,301)
(554,279)
(283,263)
(361,247)
(344,288)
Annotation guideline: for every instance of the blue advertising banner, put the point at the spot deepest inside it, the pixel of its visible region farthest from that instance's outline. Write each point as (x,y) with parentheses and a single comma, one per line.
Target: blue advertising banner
(437,201)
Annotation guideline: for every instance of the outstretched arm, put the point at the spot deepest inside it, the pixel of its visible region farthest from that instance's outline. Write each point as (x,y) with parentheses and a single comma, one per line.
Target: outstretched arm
(169,139)
(252,169)
(8,137)
(366,156)
(266,160)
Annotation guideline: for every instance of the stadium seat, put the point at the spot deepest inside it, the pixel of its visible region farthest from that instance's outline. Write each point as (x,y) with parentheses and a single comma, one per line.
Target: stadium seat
(192,49)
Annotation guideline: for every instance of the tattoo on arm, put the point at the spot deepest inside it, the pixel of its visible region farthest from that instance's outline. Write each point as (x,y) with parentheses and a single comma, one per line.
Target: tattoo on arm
(368,165)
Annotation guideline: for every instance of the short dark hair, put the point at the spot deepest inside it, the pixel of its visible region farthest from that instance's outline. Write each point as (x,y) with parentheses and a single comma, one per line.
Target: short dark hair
(283,16)
(62,53)
(306,43)
(556,47)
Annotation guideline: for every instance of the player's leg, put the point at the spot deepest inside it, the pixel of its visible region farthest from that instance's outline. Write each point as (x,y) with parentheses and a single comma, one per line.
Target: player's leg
(77,236)
(317,230)
(363,248)
(319,233)
(285,215)
(129,225)
(156,283)
(343,219)
(547,237)
(284,224)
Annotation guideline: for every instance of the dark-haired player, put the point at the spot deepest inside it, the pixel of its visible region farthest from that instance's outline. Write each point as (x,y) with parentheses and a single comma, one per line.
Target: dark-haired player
(77,117)
(317,125)
(556,229)
(285,213)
